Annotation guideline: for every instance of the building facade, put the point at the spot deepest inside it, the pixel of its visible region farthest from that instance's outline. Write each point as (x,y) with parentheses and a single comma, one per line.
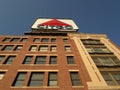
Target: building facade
(55,57)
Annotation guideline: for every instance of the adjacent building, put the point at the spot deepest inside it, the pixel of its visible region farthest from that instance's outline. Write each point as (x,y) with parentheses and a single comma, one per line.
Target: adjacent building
(53,56)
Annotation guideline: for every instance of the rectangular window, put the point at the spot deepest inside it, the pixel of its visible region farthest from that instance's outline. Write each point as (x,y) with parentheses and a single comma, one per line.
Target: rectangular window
(36,79)
(9,60)
(65,39)
(19,81)
(53,48)
(1,58)
(33,48)
(70,60)
(15,39)
(40,60)
(8,47)
(6,40)
(44,39)
(28,60)
(67,49)
(24,40)
(2,75)
(18,47)
(75,79)
(53,60)
(52,79)
(43,48)
(36,39)
(53,39)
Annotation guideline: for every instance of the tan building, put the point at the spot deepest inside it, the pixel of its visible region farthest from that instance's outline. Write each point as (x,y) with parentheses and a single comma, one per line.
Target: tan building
(55,57)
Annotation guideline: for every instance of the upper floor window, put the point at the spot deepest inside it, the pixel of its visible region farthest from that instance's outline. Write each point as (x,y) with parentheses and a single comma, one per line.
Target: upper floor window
(112,78)
(15,39)
(53,39)
(9,60)
(8,47)
(19,81)
(43,48)
(67,48)
(36,79)
(44,39)
(6,40)
(75,79)
(70,60)
(52,79)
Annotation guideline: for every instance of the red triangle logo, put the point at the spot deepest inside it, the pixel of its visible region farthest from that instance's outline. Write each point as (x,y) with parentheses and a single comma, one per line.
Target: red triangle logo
(54,22)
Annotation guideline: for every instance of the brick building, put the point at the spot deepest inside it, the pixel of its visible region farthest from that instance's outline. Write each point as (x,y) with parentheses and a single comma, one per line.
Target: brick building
(53,56)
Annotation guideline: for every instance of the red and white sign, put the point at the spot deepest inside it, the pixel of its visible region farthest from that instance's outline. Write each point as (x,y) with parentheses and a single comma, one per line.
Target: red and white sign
(64,24)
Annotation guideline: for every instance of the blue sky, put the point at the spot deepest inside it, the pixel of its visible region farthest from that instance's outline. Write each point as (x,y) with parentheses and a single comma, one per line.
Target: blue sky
(92,16)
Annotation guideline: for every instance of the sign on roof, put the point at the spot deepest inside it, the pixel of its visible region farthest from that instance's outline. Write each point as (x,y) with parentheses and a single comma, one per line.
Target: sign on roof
(64,24)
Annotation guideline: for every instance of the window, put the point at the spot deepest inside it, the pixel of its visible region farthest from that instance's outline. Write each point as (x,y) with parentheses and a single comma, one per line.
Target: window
(28,60)
(18,47)
(6,40)
(70,60)
(53,60)
(52,79)
(53,39)
(36,39)
(15,39)
(53,49)
(33,48)
(9,60)
(1,58)
(40,60)
(24,40)
(36,79)
(67,49)
(20,79)
(2,75)
(8,47)
(106,60)
(75,79)
(65,40)
(43,48)
(112,78)
(44,39)
(91,41)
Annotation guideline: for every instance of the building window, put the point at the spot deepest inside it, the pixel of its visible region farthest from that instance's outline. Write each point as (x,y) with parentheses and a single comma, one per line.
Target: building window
(15,39)
(9,60)
(40,60)
(65,39)
(91,41)
(36,39)
(112,78)
(19,81)
(6,40)
(36,79)
(2,75)
(106,60)
(67,49)
(75,79)
(18,47)
(52,79)
(24,40)
(70,60)
(43,48)
(53,48)
(28,60)
(8,47)
(53,39)
(33,48)
(1,58)
(53,60)
(44,39)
